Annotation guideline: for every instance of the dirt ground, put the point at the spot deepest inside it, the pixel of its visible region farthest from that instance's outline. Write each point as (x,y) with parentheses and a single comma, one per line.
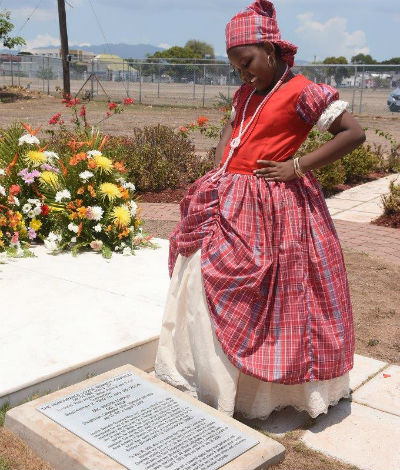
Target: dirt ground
(375,285)
(38,111)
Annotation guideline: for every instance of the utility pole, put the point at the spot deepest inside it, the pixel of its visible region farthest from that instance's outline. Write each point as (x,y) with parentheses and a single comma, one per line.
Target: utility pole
(64,46)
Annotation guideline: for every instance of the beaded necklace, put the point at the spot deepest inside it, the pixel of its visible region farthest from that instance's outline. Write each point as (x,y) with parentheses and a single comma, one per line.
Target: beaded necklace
(235,143)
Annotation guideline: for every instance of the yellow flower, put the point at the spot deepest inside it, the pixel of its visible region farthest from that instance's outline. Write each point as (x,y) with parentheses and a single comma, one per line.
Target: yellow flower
(121,216)
(110,190)
(50,178)
(103,163)
(35,158)
(1,233)
(23,232)
(35,224)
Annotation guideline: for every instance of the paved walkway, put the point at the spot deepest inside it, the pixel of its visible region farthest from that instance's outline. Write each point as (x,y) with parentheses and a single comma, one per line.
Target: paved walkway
(351,210)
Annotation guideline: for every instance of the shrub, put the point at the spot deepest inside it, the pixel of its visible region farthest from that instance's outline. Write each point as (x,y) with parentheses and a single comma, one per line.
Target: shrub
(156,157)
(359,163)
(391,201)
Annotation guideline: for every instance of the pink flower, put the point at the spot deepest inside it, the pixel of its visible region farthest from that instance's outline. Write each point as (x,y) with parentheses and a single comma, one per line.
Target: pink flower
(128,101)
(15,238)
(54,119)
(96,245)
(112,105)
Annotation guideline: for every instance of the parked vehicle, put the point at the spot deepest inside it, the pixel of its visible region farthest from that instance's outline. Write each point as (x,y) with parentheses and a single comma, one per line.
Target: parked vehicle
(393,101)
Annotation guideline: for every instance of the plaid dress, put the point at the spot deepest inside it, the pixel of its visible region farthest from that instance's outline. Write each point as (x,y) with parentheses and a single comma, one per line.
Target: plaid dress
(271,262)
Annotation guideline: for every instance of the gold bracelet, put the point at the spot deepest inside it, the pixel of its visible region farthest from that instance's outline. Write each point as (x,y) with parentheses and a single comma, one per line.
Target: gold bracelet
(297,168)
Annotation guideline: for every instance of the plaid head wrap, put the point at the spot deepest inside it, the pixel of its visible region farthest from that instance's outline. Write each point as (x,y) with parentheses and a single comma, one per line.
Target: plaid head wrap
(257,24)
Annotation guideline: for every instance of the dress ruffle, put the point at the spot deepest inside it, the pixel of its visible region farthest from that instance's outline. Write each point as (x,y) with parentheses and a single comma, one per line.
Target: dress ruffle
(273,274)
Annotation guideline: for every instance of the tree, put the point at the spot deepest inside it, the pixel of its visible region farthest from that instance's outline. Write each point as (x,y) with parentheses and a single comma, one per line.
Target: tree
(393,60)
(5,29)
(337,72)
(200,48)
(363,59)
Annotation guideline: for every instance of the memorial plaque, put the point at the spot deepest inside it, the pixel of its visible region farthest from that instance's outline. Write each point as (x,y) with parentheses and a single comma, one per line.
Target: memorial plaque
(144,427)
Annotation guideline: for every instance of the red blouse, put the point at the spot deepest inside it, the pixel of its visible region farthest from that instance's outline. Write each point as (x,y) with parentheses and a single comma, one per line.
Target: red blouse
(282,125)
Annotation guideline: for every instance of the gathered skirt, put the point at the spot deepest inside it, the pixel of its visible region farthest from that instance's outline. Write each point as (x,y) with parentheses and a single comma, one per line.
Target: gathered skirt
(258,314)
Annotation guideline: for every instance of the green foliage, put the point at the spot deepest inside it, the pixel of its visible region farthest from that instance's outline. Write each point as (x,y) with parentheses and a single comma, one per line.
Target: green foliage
(389,162)
(359,163)
(156,157)
(200,48)
(335,60)
(363,59)
(3,411)
(5,29)
(391,201)
(4,464)
(338,72)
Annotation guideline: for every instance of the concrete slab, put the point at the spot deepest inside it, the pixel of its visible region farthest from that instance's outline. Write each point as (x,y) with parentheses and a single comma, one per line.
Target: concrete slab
(364,369)
(374,207)
(355,216)
(342,204)
(63,318)
(357,435)
(382,392)
(66,451)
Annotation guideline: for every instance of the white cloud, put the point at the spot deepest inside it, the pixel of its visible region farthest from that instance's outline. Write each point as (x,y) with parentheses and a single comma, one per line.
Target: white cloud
(331,38)
(164,45)
(42,40)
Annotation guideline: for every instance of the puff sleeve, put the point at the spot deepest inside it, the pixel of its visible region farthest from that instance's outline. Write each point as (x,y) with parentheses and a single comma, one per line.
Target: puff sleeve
(319,105)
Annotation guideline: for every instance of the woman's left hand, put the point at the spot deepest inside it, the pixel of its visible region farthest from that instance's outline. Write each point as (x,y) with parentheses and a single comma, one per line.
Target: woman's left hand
(276,171)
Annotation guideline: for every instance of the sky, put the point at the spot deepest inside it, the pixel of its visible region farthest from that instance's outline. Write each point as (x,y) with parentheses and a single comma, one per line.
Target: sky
(319,28)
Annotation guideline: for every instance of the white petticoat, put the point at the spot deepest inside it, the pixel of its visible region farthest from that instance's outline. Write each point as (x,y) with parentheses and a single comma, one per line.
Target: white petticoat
(190,358)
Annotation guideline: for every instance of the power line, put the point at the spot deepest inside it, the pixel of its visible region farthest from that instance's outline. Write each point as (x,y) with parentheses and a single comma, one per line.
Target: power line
(99,25)
(29,16)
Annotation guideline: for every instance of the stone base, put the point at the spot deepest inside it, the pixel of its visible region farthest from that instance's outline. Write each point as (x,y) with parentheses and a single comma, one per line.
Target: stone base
(65,451)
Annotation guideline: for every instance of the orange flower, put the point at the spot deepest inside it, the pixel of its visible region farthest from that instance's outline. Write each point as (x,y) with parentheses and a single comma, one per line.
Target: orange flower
(108,228)
(76,158)
(76,145)
(71,206)
(30,129)
(125,193)
(192,124)
(91,190)
(183,129)
(202,121)
(63,169)
(82,211)
(78,202)
(119,166)
(104,141)
(14,161)
(79,229)
(92,164)
(124,233)
(80,190)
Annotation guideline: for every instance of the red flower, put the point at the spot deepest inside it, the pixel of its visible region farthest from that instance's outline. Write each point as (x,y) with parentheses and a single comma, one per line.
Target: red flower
(69,102)
(183,129)
(54,119)
(202,120)
(112,105)
(128,101)
(108,113)
(45,209)
(15,189)
(82,112)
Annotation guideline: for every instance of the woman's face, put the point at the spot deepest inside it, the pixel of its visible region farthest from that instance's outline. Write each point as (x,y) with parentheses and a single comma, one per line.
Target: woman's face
(253,65)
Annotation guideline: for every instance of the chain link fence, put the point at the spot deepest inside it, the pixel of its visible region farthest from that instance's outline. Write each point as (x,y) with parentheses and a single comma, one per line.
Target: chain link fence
(370,89)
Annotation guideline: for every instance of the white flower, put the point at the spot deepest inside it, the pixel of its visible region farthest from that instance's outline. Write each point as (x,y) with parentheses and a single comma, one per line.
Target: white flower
(127,251)
(26,208)
(51,156)
(85,176)
(73,240)
(2,172)
(60,195)
(123,244)
(133,208)
(50,245)
(37,210)
(129,186)
(94,153)
(28,139)
(16,201)
(2,190)
(31,214)
(97,228)
(54,237)
(96,245)
(73,227)
(34,201)
(3,257)
(94,213)
(121,181)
